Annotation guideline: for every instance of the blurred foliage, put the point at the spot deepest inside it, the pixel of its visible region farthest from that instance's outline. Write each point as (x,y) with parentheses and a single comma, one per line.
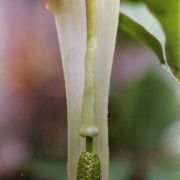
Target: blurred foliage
(167,12)
(166,169)
(47,168)
(141,111)
(120,169)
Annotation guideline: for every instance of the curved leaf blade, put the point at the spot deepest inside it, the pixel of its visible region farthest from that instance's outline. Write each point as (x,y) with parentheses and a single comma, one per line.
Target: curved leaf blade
(138,21)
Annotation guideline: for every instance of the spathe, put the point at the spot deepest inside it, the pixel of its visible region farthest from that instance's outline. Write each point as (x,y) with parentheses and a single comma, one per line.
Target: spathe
(70,17)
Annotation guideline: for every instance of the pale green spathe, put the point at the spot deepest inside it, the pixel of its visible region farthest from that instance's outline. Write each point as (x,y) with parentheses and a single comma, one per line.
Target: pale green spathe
(70,17)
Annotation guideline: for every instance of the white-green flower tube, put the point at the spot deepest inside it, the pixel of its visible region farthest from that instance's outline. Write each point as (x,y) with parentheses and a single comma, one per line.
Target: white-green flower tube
(88,126)
(70,17)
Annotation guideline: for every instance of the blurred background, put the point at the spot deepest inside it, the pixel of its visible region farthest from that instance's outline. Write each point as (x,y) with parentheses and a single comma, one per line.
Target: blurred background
(144,108)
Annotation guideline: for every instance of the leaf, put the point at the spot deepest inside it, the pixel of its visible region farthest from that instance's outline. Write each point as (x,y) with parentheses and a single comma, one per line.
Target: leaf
(168,15)
(70,20)
(138,21)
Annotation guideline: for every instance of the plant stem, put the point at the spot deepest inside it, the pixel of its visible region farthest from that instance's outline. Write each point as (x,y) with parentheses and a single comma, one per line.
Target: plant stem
(89,144)
(88,122)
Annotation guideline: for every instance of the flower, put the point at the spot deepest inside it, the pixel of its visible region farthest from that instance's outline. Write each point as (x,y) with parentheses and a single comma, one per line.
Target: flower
(70,18)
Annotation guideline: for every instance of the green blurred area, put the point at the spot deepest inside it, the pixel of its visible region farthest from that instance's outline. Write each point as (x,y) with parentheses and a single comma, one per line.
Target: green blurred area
(120,168)
(140,112)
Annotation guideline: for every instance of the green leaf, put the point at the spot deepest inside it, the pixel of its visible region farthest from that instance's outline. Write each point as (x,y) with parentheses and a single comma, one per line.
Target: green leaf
(168,15)
(139,22)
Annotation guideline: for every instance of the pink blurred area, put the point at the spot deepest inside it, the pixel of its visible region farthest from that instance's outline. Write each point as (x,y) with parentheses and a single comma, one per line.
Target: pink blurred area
(31,81)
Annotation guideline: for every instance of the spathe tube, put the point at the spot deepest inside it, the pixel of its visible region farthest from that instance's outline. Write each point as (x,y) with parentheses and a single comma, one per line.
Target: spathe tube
(70,18)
